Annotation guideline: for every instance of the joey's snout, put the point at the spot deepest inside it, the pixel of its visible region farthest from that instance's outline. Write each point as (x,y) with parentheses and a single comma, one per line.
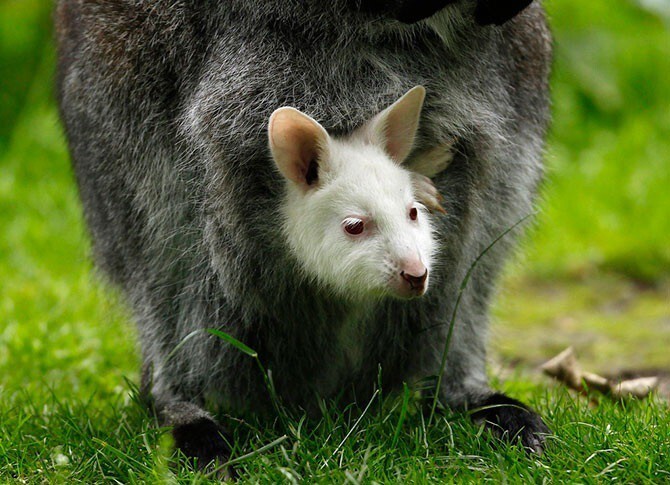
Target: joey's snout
(412,279)
(415,282)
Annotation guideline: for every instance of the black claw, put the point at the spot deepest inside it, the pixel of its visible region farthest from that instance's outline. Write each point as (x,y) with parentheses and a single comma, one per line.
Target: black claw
(536,446)
(513,421)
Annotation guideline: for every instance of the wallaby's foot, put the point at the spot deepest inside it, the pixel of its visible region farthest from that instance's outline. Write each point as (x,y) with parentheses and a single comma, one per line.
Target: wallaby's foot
(513,421)
(427,164)
(202,442)
(434,160)
(427,193)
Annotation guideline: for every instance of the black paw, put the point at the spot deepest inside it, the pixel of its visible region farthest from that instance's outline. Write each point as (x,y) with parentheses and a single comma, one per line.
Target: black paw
(202,442)
(512,421)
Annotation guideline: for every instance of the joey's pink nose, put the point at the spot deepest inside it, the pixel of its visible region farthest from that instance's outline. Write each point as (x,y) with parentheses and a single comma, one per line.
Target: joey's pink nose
(411,280)
(416,279)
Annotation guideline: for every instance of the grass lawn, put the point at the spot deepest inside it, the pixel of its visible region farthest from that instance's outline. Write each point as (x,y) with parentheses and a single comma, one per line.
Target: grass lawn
(595,275)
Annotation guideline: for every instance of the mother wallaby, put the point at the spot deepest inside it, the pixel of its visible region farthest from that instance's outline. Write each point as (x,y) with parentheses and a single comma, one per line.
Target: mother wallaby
(166,107)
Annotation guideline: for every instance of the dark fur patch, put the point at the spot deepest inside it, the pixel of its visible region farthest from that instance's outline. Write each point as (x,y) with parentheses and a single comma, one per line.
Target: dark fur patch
(497,12)
(202,442)
(512,420)
(487,11)
(413,11)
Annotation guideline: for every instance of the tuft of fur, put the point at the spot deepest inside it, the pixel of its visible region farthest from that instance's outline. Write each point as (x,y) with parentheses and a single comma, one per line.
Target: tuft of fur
(166,104)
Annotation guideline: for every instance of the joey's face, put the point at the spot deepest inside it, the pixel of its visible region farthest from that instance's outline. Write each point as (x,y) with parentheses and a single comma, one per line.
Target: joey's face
(362,233)
(351,217)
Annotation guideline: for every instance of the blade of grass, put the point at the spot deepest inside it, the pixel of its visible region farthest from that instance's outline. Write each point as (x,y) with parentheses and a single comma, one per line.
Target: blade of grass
(246,456)
(282,413)
(233,341)
(353,428)
(403,413)
(452,321)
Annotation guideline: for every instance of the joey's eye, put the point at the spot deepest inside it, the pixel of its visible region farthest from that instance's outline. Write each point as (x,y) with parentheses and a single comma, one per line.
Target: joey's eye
(413,213)
(353,226)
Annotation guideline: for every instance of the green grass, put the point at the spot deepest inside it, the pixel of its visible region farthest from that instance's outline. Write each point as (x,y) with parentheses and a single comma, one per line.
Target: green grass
(606,202)
(61,441)
(597,276)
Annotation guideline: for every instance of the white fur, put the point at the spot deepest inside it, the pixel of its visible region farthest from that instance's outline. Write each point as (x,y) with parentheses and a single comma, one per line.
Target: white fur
(360,179)
(359,176)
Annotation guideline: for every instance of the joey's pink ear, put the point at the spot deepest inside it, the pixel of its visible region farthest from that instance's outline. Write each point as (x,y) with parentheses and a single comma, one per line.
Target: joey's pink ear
(298,144)
(395,127)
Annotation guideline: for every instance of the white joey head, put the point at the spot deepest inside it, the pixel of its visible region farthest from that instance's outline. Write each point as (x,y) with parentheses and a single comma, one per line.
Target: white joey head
(353,215)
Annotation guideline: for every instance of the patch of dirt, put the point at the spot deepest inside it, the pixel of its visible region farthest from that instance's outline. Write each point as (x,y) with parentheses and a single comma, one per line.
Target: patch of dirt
(611,321)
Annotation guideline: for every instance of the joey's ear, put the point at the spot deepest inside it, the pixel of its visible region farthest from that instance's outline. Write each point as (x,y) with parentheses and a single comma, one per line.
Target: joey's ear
(298,144)
(498,12)
(395,127)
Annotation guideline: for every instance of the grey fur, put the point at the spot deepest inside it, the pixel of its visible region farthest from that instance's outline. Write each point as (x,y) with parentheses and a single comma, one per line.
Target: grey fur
(166,104)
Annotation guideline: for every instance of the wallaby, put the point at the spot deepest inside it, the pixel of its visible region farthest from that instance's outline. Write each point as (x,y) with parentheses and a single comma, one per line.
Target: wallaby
(311,242)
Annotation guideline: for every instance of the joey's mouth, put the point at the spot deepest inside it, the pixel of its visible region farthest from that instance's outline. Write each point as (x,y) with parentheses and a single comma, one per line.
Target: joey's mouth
(407,287)
(409,294)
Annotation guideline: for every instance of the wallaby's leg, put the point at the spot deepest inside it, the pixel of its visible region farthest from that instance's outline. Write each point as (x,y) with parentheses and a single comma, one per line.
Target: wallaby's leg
(465,386)
(512,420)
(465,383)
(196,433)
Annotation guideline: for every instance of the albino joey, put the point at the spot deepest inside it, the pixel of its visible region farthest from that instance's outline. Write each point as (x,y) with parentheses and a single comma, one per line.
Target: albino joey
(355,219)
